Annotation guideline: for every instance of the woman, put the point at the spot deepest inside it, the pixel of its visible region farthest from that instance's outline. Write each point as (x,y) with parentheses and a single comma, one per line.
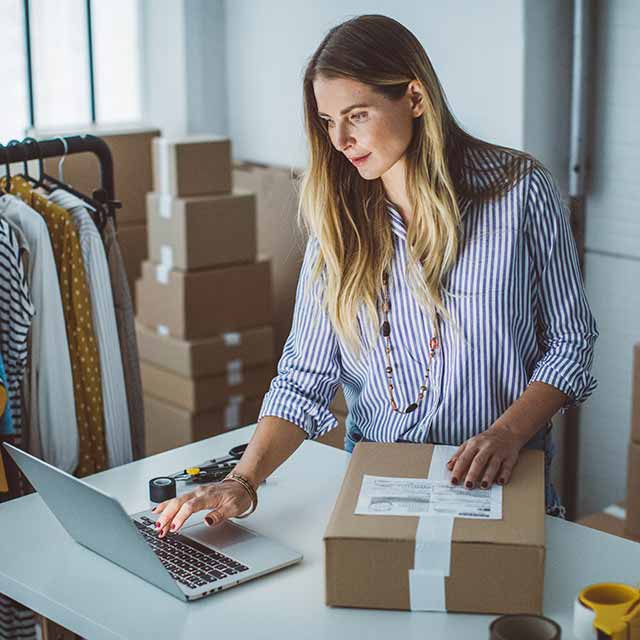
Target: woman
(440,283)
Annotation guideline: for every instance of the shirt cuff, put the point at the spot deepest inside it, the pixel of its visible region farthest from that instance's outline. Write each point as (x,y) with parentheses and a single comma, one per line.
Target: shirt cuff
(314,420)
(567,377)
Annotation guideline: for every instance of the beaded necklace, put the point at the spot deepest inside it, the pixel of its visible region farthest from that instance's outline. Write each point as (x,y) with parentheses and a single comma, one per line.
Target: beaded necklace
(434,343)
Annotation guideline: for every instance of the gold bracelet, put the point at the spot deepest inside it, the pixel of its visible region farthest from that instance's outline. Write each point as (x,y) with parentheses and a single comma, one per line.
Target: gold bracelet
(247,487)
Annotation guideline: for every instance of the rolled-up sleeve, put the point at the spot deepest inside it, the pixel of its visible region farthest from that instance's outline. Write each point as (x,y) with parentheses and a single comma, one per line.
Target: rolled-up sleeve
(567,329)
(308,372)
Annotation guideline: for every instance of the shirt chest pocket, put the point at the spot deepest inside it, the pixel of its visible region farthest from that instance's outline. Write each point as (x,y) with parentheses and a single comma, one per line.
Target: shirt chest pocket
(486,262)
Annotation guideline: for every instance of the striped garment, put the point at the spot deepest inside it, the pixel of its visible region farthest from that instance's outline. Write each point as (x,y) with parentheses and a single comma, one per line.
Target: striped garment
(16,313)
(521,305)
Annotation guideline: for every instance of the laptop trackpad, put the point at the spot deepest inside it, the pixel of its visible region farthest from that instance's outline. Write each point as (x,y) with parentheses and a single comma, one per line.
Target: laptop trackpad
(220,536)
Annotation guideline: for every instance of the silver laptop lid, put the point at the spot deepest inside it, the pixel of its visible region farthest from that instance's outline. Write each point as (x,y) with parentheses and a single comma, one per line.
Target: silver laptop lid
(83,511)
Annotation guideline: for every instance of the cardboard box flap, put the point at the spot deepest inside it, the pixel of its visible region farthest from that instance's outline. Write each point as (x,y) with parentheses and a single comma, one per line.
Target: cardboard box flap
(523,499)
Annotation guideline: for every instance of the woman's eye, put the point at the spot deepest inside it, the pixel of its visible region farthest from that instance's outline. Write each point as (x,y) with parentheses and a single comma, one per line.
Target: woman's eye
(361,113)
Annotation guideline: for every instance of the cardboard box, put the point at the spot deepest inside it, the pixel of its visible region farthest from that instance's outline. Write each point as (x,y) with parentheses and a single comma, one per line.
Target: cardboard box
(632,526)
(611,520)
(132,239)
(496,566)
(201,304)
(169,427)
(635,395)
(227,353)
(192,165)
(278,235)
(203,231)
(130,146)
(203,394)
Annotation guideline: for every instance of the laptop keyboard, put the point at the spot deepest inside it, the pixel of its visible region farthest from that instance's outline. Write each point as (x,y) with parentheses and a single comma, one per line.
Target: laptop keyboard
(188,562)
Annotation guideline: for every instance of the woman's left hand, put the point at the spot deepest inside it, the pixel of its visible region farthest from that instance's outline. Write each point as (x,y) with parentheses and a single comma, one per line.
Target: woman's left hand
(486,458)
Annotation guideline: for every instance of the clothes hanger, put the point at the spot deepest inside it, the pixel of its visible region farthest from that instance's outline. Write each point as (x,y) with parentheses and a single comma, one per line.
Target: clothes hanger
(97,209)
(7,188)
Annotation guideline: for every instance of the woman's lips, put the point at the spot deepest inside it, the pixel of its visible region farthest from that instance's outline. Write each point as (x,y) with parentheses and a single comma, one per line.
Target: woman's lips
(361,159)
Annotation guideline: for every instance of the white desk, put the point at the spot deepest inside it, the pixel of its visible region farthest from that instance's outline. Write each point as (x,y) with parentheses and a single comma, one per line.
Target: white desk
(42,567)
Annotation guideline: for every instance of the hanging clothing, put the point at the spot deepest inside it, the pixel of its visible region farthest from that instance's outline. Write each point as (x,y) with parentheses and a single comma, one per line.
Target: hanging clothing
(83,350)
(6,424)
(116,412)
(16,313)
(53,433)
(127,336)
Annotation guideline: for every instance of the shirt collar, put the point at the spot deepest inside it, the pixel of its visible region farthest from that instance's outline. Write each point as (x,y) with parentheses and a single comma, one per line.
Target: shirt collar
(399,227)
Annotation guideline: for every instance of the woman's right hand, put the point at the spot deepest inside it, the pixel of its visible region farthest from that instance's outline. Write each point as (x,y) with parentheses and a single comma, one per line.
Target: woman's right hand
(224,499)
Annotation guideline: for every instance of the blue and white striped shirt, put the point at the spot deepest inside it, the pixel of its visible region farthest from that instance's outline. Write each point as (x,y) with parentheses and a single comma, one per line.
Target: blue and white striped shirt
(523,312)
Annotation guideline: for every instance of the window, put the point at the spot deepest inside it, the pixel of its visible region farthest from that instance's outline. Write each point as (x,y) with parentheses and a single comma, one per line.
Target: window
(60,70)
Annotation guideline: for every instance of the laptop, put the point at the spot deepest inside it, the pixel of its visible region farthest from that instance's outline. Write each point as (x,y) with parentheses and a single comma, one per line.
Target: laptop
(191,564)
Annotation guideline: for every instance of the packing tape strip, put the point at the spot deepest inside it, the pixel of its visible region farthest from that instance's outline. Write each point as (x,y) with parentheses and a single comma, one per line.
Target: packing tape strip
(166,256)
(432,553)
(162,274)
(163,165)
(162,330)
(164,205)
(234,372)
(232,412)
(232,339)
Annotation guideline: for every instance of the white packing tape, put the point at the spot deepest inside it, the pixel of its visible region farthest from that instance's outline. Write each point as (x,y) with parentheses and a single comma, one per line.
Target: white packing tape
(616,511)
(166,256)
(232,412)
(162,330)
(162,274)
(163,162)
(432,554)
(234,372)
(164,205)
(232,339)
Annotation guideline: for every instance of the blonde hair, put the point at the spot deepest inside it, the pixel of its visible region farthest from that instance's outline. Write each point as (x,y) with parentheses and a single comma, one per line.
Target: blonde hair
(348,215)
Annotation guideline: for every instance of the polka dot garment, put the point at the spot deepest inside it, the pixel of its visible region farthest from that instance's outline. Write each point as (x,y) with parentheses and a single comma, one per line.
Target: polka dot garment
(83,349)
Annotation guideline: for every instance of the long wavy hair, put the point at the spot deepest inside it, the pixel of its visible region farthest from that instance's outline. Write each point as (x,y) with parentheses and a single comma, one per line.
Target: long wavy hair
(348,214)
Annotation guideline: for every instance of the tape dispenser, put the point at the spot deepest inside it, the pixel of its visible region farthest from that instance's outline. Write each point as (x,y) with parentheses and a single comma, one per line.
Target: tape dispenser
(608,611)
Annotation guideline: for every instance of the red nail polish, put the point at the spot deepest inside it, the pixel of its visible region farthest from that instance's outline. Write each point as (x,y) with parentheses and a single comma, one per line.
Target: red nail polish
(468,484)
(501,481)
(158,525)
(454,480)
(173,526)
(485,485)
(208,520)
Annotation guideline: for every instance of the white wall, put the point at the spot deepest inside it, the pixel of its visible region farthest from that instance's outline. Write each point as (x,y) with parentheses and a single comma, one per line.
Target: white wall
(476,49)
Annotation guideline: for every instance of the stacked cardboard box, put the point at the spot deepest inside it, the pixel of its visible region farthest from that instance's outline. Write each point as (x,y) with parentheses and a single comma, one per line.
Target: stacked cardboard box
(611,520)
(204,323)
(623,519)
(632,527)
(130,146)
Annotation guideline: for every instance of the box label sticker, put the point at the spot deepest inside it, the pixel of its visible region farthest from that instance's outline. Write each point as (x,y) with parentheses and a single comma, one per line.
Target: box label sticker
(388,496)
(162,274)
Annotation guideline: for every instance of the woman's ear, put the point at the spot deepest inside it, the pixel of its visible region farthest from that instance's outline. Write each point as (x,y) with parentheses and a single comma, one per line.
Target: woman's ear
(415,94)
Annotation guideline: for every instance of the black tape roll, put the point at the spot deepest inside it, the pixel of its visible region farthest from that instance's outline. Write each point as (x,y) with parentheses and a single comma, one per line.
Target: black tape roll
(161,489)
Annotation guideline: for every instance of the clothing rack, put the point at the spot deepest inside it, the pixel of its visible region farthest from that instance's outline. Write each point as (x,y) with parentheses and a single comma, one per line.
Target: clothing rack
(31,149)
